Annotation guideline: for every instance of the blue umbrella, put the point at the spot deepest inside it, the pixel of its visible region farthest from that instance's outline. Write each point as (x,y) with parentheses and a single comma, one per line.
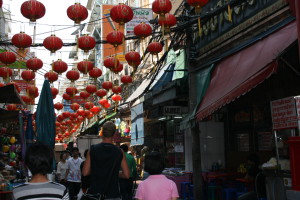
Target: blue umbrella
(45,119)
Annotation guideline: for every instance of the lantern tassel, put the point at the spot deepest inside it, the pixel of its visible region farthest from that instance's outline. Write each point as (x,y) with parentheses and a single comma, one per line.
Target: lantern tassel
(34,34)
(199,27)
(229,13)
(124,45)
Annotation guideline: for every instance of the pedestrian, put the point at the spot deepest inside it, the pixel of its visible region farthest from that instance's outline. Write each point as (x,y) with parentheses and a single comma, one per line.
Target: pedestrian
(85,180)
(103,163)
(62,169)
(38,159)
(156,186)
(126,185)
(73,174)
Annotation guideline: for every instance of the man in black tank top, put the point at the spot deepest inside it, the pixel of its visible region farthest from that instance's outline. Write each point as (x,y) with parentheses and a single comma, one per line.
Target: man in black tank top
(103,162)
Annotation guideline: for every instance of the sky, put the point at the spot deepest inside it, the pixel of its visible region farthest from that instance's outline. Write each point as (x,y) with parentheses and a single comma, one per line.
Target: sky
(54,19)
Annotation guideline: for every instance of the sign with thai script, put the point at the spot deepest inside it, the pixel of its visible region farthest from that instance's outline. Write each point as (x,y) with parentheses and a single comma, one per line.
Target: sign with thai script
(172,110)
(140,15)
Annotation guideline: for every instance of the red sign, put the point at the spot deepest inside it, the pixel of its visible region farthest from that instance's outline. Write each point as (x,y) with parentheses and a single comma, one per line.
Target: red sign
(23,84)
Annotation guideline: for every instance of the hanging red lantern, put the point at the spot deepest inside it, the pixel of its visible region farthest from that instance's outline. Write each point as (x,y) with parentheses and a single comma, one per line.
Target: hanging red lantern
(126,79)
(86,43)
(51,76)
(74,106)
(133,58)
(34,64)
(106,106)
(154,48)
(81,112)
(87,113)
(26,99)
(75,115)
(66,97)
(118,69)
(88,105)
(116,98)
(116,89)
(85,66)
(80,118)
(161,7)
(33,10)
(71,91)
(84,95)
(95,109)
(28,75)
(57,124)
(8,57)
(21,40)
(142,30)
(167,22)
(54,91)
(66,114)
(111,62)
(5,73)
(77,13)
(90,115)
(102,102)
(60,66)
(91,89)
(115,38)
(11,107)
(95,73)
(2,84)
(121,14)
(58,106)
(73,75)
(53,43)
(197,4)
(36,94)
(101,93)
(107,85)
(31,90)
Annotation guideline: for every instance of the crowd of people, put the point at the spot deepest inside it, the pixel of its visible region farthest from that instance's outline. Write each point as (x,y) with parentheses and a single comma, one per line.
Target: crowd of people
(107,173)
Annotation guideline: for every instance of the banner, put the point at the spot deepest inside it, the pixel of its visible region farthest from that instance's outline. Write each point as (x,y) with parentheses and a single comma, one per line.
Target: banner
(140,15)
(137,125)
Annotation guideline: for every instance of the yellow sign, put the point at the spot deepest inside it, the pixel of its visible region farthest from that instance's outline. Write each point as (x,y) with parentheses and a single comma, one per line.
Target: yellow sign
(121,58)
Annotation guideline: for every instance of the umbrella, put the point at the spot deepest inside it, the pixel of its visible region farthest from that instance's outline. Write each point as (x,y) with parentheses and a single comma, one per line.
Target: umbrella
(45,119)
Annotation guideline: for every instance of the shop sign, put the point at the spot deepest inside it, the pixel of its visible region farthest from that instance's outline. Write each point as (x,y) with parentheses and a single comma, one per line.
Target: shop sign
(140,15)
(284,113)
(172,110)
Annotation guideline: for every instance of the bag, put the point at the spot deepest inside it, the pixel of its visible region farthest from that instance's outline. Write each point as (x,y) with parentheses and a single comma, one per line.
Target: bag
(86,196)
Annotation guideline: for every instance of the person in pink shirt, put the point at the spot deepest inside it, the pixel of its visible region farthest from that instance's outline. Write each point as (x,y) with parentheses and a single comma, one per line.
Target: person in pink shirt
(156,186)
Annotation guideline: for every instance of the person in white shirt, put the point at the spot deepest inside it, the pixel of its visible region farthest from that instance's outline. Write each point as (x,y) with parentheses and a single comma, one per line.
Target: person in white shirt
(62,169)
(73,174)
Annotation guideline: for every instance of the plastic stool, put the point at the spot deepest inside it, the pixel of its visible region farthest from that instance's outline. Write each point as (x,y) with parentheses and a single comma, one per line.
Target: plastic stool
(229,194)
(184,189)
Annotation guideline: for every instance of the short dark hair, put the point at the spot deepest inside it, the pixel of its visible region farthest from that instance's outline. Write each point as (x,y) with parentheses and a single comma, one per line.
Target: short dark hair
(108,129)
(154,163)
(124,147)
(39,158)
(61,155)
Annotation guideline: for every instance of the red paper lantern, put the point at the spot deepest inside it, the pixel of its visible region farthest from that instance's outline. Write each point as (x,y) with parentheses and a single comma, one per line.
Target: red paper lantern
(33,10)
(77,13)
(2,84)
(57,124)
(51,76)
(81,112)
(91,89)
(5,72)
(116,89)
(101,93)
(197,3)
(111,62)
(66,114)
(11,107)
(26,99)
(28,75)
(95,109)
(74,106)
(106,106)
(1,2)
(87,113)
(142,30)
(66,97)
(107,85)
(161,7)
(95,73)
(115,38)
(8,57)
(21,40)
(84,95)
(133,58)
(73,75)
(168,21)
(31,90)
(58,106)
(116,98)
(36,94)
(88,105)
(34,64)
(102,102)
(86,43)
(85,66)
(74,115)
(154,48)
(54,91)
(53,43)
(126,79)
(60,66)
(80,118)
(71,91)
(117,69)
(121,13)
